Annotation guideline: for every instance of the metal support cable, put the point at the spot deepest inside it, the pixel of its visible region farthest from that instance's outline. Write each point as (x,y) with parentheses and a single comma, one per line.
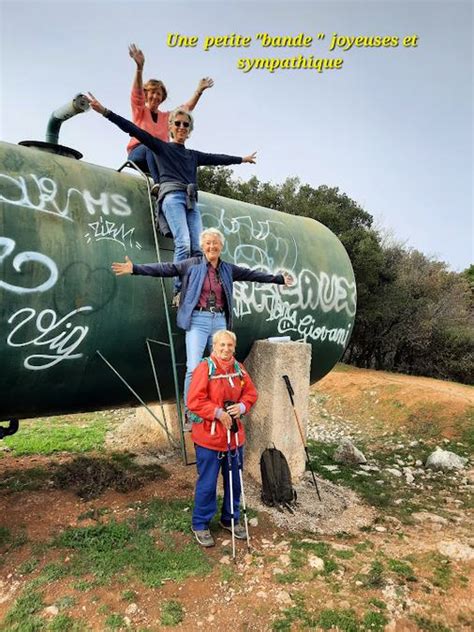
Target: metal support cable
(137,396)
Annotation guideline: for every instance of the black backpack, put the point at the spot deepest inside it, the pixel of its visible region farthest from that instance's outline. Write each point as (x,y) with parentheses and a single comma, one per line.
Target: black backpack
(277,489)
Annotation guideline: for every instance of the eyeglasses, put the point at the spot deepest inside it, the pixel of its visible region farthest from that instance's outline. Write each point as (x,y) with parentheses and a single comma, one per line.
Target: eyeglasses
(179,123)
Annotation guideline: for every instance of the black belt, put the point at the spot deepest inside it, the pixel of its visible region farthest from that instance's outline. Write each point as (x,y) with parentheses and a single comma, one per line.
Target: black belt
(213,310)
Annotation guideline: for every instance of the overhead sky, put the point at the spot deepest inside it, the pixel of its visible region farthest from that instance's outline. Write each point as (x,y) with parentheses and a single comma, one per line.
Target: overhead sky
(392,127)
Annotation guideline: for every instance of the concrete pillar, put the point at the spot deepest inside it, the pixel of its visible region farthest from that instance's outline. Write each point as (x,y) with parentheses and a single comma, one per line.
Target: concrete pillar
(272,420)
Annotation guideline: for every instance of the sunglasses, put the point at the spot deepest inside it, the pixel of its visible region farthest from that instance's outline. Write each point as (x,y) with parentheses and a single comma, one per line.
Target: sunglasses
(179,123)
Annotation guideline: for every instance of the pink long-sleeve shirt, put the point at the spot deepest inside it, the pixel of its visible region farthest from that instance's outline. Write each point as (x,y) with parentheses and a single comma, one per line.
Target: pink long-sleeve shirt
(141,116)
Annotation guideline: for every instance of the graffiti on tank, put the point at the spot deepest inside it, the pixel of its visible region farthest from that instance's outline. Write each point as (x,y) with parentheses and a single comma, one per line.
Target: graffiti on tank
(58,336)
(329,293)
(105,229)
(272,250)
(307,329)
(43,194)
(7,246)
(258,247)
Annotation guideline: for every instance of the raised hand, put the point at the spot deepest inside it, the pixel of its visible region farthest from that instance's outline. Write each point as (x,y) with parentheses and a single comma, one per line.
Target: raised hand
(252,158)
(204,83)
(137,55)
(289,280)
(121,269)
(95,105)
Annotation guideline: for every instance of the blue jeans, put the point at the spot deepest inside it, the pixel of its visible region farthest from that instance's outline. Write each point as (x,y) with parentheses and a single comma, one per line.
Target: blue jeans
(208,463)
(185,226)
(203,326)
(145,160)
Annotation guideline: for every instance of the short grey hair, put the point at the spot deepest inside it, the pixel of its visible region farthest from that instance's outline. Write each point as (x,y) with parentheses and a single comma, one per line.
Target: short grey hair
(221,334)
(176,113)
(214,232)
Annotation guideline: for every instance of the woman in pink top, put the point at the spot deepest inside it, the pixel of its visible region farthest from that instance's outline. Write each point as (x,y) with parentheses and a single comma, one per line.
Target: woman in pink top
(145,101)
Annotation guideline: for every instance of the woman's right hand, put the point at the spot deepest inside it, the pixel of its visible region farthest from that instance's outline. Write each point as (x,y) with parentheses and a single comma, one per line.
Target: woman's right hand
(137,55)
(226,420)
(95,105)
(123,268)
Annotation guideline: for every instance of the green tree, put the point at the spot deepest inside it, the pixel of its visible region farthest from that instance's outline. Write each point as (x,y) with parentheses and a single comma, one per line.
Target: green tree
(413,314)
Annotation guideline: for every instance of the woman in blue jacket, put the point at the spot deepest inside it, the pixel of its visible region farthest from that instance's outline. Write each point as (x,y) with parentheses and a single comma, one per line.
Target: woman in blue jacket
(206,295)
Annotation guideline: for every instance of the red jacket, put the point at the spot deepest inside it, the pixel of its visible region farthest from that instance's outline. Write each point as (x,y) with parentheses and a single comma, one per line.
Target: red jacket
(207,394)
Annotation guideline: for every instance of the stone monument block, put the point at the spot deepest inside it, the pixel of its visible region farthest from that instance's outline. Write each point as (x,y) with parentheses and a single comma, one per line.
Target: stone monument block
(272,419)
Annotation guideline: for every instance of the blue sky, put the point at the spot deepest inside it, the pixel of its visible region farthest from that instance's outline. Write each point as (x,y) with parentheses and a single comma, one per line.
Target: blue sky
(392,128)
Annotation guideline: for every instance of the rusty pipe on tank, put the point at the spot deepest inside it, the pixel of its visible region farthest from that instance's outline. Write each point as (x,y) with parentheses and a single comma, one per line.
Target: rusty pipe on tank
(76,106)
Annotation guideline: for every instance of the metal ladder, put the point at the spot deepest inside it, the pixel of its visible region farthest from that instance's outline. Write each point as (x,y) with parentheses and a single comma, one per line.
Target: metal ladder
(148,341)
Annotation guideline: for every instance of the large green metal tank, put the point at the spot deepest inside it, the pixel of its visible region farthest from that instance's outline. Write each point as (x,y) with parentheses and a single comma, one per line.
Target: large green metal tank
(63,222)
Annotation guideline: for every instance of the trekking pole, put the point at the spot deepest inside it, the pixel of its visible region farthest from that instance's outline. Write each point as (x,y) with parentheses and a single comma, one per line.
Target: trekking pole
(232,523)
(244,504)
(291,392)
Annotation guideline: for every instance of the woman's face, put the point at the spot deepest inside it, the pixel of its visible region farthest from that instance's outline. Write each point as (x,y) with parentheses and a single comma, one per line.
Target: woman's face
(179,129)
(153,98)
(224,348)
(212,248)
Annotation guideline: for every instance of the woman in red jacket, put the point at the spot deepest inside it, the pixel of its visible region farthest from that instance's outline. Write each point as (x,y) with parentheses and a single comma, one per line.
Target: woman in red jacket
(216,380)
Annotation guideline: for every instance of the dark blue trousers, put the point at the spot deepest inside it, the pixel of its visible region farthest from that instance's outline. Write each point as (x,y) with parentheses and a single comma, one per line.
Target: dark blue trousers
(143,157)
(209,463)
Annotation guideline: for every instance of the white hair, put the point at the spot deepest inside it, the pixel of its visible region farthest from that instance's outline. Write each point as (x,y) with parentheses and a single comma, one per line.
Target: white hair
(221,333)
(214,232)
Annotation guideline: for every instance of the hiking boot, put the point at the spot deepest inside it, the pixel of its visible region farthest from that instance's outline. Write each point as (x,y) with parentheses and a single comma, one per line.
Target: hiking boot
(239,530)
(204,537)
(175,300)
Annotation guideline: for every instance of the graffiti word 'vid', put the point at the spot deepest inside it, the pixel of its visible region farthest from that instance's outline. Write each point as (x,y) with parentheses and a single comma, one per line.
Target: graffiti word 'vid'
(58,336)
(104,229)
(7,246)
(43,194)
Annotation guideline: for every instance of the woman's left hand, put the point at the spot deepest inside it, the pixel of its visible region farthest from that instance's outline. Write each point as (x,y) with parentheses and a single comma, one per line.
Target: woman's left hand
(289,280)
(204,84)
(252,158)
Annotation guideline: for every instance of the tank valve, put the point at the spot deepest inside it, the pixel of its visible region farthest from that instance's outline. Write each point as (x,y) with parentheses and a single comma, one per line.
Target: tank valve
(76,106)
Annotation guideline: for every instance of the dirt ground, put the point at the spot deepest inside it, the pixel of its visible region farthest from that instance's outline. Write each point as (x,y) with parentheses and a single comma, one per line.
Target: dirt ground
(248,596)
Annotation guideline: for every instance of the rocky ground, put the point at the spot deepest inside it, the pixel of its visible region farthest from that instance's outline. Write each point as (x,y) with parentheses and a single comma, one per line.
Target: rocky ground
(390,547)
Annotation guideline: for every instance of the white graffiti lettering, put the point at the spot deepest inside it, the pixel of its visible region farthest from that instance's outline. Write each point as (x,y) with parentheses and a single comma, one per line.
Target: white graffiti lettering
(7,246)
(329,293)
(57,336)
(105,229)
(307,328)
(268,245)
(43,194)
(272,250)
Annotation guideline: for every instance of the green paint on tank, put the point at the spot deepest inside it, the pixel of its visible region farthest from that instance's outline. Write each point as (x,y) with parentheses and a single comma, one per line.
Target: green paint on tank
(63,222)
